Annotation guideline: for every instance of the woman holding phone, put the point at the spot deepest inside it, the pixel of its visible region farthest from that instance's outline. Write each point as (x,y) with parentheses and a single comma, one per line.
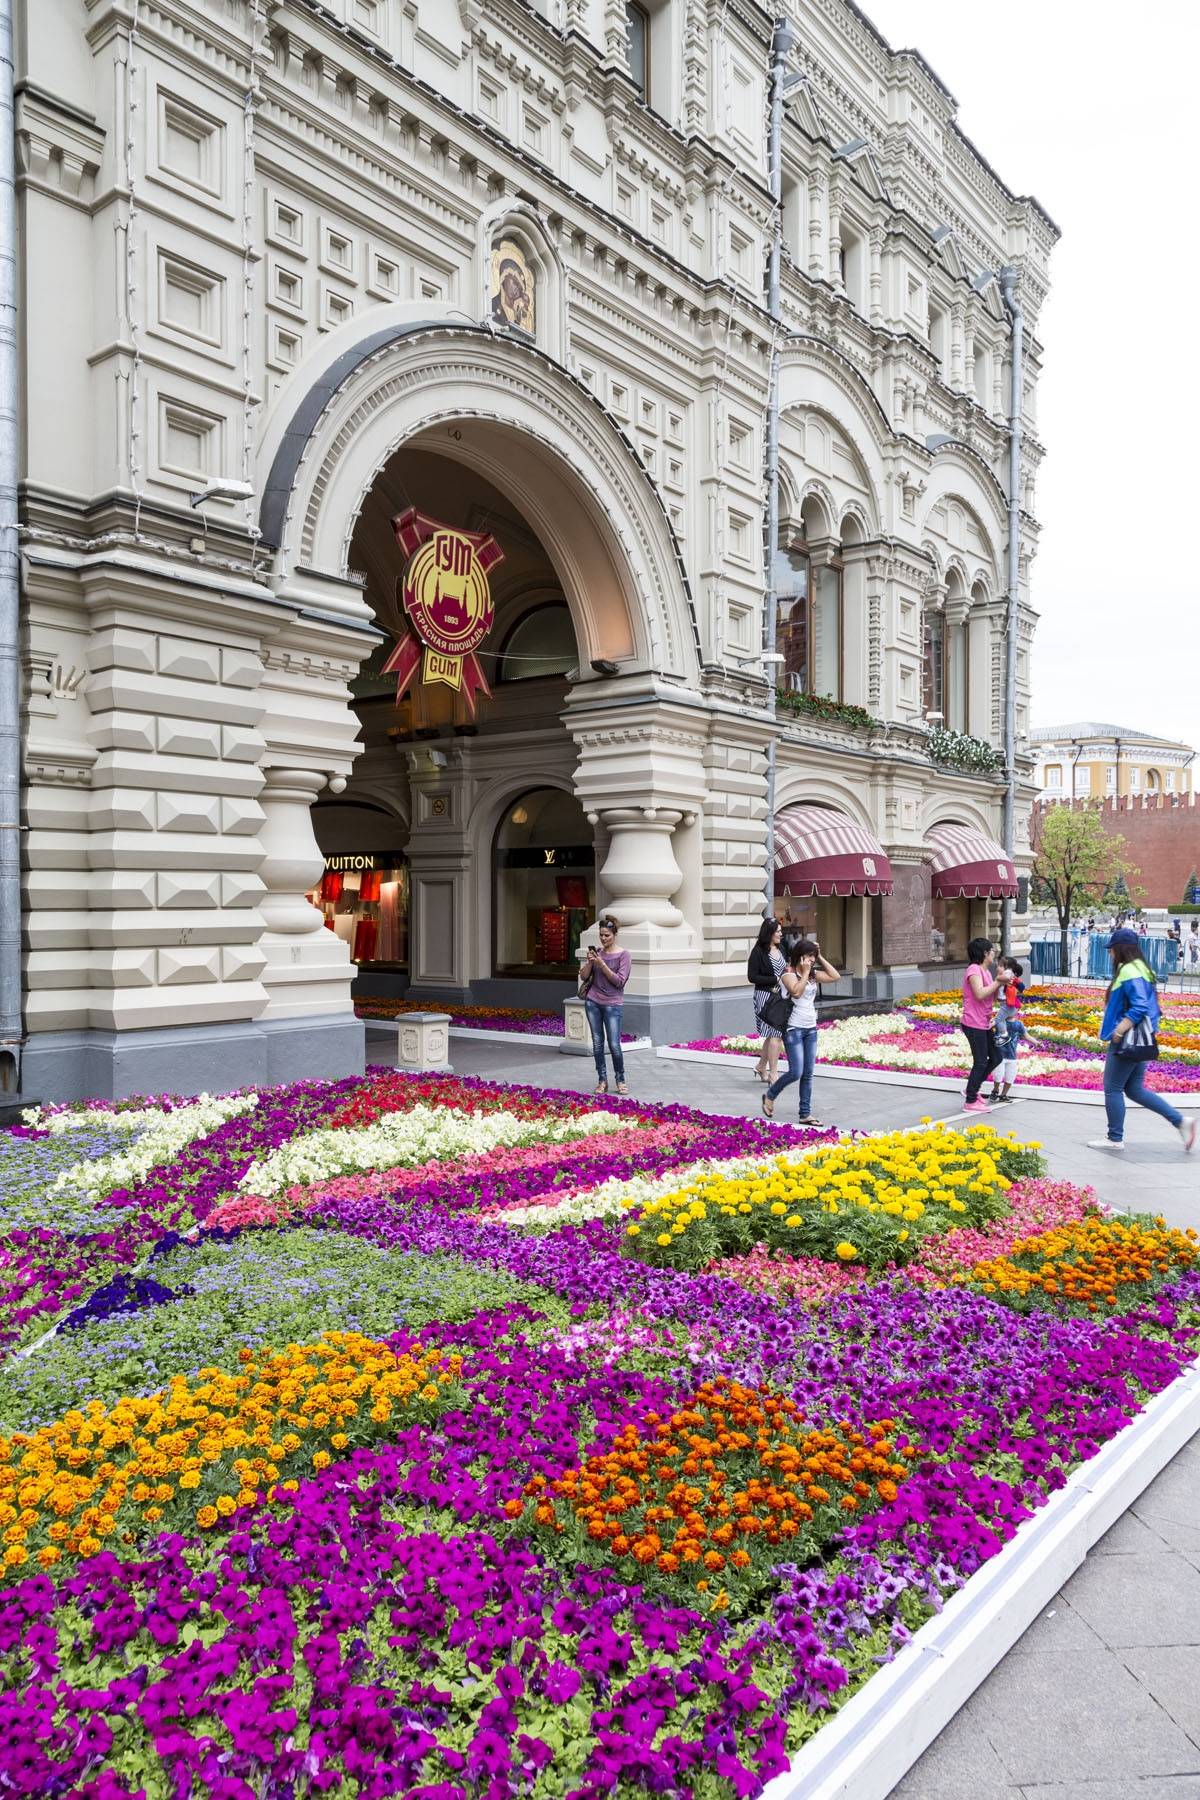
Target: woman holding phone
(806,969)
(979,989)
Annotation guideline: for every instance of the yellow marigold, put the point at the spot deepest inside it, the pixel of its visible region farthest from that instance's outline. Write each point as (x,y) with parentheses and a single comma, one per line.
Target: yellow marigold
(846,1252)
(207,1516)
(189,1479)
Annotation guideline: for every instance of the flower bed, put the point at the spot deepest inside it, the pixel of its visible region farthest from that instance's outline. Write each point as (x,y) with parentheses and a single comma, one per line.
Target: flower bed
(559,1451)
(1061,1049)
(519,1019)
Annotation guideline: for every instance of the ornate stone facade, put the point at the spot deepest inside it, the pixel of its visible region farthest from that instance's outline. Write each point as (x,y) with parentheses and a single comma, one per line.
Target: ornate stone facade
(272,251)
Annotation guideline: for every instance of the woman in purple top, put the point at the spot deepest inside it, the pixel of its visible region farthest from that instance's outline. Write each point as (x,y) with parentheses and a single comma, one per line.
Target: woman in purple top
(979,994)
(602,980)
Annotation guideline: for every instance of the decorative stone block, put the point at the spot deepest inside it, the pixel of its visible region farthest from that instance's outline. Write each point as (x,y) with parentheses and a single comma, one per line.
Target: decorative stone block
(241,890)
(188,737)
(123,731)
(240,817)
(188,887)
(577,1036)
(187,964)
(239,743)
(186,657)
(242,962)
(423,1041)
(241,668)
(188,812)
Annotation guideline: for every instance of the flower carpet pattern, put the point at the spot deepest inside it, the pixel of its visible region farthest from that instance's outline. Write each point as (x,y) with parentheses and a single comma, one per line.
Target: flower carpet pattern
(438,1437)
(1062,1048)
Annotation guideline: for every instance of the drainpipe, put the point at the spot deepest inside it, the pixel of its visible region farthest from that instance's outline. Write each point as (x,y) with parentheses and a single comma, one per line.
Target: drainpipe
(783,41)
(11,1033)
(1008,288)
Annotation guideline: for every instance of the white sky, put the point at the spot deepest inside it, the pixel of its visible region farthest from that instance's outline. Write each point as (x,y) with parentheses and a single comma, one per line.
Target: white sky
(1092,107)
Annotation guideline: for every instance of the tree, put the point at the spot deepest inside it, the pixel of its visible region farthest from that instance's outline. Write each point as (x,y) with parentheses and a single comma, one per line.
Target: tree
(1193,881)
(1078,863)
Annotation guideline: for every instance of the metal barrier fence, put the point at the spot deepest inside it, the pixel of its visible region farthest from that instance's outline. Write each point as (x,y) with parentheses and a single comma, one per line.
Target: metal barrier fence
(1087,956)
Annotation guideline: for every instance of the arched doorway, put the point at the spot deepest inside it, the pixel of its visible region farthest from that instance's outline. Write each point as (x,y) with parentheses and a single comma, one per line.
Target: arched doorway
(591,611)
(544,885)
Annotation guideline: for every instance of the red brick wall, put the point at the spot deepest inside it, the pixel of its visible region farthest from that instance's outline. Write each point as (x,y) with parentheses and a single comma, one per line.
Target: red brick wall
(1162,839)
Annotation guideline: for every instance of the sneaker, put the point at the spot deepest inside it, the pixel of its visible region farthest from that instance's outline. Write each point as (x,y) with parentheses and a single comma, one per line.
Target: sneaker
(1107,1143)
(1187,1131)
(975,1106)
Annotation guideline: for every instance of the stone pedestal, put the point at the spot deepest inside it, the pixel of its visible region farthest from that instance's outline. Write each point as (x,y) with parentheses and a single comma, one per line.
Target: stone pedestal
(307,969)
(577,1037)
(423,1042)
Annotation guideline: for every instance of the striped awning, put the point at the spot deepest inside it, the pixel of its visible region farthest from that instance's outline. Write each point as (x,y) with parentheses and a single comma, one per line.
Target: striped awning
(967,864)
(821,851)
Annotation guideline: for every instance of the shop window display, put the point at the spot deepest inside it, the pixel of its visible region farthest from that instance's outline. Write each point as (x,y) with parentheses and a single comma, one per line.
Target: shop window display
(545,875)
(364,901)
(816,916)
(951,930)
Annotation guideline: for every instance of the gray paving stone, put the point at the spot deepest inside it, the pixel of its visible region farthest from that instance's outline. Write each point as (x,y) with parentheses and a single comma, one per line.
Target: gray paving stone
(1139,1598)
(1077,1716)
(1130,1535)
(1059,1627)
(1159,1787)
(960,1762)
(1171,1674)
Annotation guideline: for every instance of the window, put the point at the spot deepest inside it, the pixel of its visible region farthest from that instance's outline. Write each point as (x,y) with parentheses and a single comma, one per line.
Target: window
(1135,781)
(957,676)
(938,337)
(637,37)
(1169,781)
(545,884)
(934,694)
(1153,781)
(1054,775)
(809,625)
(1110,781)
(817,917)
(951,930)
(541,643)
(1083,780)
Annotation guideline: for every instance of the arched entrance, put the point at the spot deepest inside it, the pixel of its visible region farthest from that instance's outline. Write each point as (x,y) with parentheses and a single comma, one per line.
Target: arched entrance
(592,616)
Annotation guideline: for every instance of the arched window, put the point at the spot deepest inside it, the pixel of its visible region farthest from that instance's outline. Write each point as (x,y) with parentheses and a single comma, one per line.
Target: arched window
(853,270)
(545,875)
(934,671)
(541,643)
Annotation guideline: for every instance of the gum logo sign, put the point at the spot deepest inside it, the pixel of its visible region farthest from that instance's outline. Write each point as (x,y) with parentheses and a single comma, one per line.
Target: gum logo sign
(448,599)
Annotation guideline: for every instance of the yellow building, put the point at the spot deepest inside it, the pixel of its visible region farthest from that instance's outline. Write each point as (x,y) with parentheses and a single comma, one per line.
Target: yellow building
(1091,760)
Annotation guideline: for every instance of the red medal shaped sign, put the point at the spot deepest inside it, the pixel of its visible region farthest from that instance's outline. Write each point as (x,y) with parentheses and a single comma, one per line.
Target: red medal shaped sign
(448,600)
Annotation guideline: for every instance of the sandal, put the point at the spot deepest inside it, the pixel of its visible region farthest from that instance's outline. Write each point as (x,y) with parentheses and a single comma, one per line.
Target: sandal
(601,1087)
(622,1088)
(768,1106)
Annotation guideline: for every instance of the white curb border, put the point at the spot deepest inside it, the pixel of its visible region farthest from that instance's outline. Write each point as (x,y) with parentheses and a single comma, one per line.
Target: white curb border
(870,1745)
(537,1038)
(904,1078)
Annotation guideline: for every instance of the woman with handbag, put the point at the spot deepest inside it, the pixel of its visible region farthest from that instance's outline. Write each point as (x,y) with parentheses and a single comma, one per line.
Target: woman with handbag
(602,988)
(763,970)
(1130,1026)
(806,969)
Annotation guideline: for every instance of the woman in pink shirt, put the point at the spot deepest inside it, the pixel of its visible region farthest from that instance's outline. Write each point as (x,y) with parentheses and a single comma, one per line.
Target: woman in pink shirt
(602,984)
(979,990)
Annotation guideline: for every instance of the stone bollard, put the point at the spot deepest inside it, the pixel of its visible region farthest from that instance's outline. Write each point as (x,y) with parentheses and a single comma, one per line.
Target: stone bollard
(577,1036)
(423,1042)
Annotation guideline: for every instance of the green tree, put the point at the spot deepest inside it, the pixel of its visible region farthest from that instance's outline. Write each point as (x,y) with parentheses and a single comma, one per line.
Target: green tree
(1077,863)
(1190,887)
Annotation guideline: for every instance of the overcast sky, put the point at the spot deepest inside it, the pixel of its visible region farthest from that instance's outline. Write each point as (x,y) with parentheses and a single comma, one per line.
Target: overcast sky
(1092,107)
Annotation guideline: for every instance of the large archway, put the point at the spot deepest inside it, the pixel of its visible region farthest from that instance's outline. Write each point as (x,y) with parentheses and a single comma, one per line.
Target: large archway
(591,611)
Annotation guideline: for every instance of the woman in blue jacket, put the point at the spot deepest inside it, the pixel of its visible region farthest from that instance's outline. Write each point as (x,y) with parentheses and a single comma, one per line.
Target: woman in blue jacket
(1131,998)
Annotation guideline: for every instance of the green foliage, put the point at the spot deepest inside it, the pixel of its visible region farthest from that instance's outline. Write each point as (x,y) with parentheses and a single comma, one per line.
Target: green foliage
(263,1287)
(823,706)
(958,750)
(1078,861)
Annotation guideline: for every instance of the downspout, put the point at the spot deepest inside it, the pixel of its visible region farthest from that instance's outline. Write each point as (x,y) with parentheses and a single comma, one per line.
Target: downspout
(783,41)
(11,1032)
(1008,288)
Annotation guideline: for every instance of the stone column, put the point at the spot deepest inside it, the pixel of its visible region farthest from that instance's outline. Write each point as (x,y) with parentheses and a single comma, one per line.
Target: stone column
(816,194)
(876,281)
(307,969)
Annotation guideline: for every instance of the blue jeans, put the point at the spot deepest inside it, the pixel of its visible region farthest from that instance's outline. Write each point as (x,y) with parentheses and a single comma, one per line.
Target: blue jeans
(801,1047)
(1125,1080)
(606,1021)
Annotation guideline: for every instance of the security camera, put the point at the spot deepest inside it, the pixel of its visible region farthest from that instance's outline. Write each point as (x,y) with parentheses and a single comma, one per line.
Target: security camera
(222,488)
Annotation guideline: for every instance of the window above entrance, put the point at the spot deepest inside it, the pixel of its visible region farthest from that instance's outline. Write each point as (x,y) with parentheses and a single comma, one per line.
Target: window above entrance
(541,643)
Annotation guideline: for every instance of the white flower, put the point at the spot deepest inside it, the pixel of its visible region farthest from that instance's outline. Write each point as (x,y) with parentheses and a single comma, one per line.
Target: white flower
(408,1139)
(165,1135)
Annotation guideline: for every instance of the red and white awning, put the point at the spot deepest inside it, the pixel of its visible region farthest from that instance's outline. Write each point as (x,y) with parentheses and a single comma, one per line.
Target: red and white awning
(821,851)
(967,864)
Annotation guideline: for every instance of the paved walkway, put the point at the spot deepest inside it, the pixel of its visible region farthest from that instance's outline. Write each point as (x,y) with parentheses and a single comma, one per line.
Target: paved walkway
(1100,1700)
